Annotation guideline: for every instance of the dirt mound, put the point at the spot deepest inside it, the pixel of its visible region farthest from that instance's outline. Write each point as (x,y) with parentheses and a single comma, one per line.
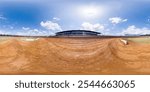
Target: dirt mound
(73,56)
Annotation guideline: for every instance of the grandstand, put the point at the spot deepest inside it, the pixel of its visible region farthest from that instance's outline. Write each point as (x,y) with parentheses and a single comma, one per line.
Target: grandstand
(77,33)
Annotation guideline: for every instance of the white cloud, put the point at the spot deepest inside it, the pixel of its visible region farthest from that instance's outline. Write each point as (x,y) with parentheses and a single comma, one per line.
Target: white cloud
(51,26)
(34,32)
(56,18)
(2,17)
(4,32)
(117,20)
(92,27)
(134,30)
(25,28)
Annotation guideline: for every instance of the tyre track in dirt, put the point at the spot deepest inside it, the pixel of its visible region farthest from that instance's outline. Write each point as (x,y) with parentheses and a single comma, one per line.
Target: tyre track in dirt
(73,56)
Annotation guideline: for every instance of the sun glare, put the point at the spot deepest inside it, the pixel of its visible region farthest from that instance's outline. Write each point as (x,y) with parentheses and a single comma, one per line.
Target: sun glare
(89,12)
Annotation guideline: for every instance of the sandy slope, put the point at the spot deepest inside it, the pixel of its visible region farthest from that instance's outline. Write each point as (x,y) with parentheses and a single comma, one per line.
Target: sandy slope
(73,56)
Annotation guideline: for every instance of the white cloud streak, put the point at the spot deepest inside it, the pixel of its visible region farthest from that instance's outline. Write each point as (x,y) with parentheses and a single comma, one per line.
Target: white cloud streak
(34,32)
(117,20)
(2,17)
(4,32)
(25,28)
(56,18)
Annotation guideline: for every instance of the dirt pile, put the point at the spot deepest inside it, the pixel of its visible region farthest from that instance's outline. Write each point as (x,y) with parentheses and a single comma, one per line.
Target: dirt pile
(73,56)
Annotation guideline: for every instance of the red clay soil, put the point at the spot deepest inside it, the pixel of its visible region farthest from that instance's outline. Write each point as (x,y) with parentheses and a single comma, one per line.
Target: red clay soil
(73,56)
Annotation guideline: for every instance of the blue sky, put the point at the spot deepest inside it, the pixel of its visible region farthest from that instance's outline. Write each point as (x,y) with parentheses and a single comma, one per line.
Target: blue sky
(46,17)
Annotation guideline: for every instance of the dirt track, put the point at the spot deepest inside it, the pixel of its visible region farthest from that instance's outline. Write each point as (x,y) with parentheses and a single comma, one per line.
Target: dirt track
(73,56)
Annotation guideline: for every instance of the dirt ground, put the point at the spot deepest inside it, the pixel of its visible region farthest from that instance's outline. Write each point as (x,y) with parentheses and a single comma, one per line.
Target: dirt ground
(73,56)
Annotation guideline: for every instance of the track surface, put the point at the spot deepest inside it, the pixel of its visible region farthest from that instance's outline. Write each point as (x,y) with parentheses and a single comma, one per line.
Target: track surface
(73,56)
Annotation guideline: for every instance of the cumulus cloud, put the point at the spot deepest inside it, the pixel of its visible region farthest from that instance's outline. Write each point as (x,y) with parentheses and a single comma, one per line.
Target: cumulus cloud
(134,30)
(93,27)
(51,26)
(117,20)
